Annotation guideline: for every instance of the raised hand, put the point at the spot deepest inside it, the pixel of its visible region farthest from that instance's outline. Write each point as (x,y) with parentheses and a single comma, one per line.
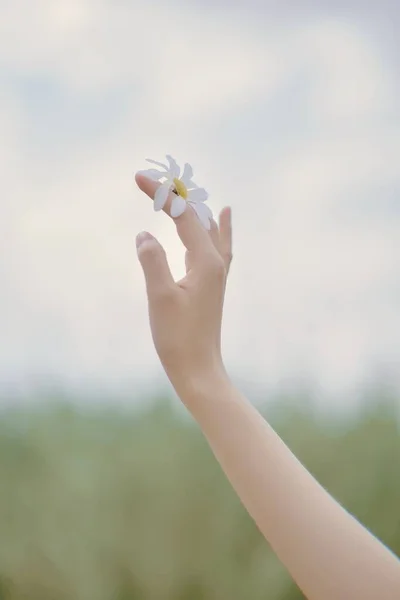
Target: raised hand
(185,316)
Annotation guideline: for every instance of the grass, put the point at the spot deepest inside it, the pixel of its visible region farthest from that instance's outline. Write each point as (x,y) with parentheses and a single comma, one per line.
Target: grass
(108,505)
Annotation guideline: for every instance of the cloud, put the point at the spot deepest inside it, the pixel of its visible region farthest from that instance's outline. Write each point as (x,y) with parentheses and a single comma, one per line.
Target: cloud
(353,84)
(97,87)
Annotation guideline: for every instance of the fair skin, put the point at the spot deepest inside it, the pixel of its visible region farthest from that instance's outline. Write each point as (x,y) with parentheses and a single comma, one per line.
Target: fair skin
(329,554)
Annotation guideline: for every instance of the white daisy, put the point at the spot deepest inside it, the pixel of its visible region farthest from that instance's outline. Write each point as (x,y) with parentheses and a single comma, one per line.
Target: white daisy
(184,188)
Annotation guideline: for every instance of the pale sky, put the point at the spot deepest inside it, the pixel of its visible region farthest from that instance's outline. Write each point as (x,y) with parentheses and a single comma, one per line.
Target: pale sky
(291,115)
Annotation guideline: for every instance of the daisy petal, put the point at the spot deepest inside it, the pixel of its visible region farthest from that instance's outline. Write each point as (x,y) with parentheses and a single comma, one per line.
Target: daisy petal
(187,174)
(153,174)
(174,169)
(155,162)
(178,206)
(204,213)
(160,197)
(191,185)
(197,195)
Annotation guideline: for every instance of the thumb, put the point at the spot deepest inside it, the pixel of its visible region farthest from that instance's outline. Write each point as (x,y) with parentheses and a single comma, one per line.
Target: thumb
(153,259)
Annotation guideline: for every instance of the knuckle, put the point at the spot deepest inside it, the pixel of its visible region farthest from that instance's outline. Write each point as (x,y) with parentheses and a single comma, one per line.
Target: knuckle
(216,267)
(228,256)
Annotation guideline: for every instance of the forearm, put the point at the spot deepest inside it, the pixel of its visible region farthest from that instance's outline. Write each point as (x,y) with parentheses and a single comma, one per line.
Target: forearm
(327,552)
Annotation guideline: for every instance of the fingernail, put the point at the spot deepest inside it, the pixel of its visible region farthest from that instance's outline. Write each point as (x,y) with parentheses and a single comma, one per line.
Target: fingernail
(142,237)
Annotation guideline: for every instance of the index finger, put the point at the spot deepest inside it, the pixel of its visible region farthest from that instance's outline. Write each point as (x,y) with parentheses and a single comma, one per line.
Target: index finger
(192,233)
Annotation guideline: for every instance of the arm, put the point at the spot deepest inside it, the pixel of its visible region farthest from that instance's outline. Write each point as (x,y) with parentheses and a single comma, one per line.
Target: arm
(327,552)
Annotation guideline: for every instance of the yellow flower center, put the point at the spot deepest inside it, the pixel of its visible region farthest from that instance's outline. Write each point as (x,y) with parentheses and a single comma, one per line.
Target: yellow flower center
(180,188)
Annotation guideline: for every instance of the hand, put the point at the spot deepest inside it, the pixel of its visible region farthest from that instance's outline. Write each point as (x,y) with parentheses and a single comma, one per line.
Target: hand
(185,316)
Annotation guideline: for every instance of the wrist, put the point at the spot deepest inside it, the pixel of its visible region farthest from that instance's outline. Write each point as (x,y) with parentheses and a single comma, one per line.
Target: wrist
(200,387)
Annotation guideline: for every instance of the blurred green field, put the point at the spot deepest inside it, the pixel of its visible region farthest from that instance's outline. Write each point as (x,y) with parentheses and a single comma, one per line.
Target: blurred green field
(108,504)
